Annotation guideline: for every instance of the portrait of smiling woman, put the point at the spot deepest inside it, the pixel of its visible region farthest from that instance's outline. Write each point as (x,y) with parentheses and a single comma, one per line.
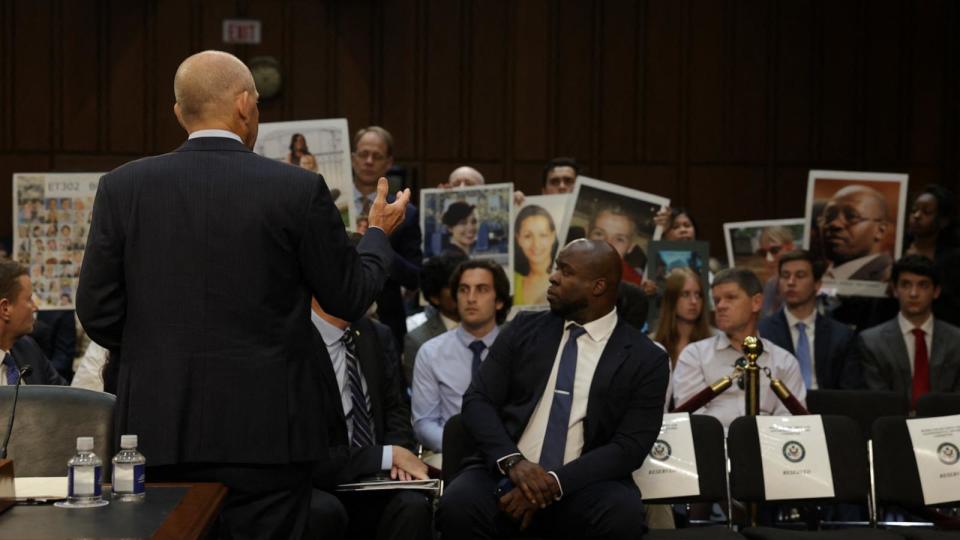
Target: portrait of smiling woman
(462,224)
(535,247)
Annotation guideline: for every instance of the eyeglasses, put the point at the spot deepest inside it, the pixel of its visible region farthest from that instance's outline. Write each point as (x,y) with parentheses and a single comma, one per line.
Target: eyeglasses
(365,155)
(564,180)
(849,215)
(772,250)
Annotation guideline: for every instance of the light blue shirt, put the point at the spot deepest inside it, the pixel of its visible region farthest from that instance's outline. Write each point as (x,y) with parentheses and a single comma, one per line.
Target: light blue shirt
(338,356)
(441,374)
(215,133)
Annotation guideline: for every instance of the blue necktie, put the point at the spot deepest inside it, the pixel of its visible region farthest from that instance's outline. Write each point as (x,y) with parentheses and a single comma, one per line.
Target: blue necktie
(13,374)
(803,355)
(555,439)
(359,416)
(477,347)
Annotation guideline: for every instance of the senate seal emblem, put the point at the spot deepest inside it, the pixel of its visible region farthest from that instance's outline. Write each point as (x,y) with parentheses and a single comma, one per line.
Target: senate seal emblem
(661,450)
(948,453)
(794,451)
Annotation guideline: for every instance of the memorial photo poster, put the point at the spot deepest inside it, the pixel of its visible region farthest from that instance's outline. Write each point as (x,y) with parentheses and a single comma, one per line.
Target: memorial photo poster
(758,245)
(665,255)
(854,224)
(475,221)
(619,215)
(51,219)
(536,240)
(320,146)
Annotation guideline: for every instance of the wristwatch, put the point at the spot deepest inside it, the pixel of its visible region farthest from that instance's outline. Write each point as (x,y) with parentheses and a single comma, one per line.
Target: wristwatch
(510,462)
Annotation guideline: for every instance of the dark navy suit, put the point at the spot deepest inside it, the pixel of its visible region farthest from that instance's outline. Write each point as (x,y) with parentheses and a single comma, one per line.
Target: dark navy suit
(834,353)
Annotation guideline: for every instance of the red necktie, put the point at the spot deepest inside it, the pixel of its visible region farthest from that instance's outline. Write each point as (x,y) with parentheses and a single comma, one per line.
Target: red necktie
(921,368)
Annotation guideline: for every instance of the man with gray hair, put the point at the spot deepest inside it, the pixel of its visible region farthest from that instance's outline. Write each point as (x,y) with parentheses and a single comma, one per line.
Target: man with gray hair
(463,177)
(737,295)
(853,226)
(217,364)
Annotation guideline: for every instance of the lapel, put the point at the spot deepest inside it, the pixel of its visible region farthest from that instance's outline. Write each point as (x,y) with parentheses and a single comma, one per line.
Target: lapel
(938,354)
(783,331)
(899,357)
(616,350)
(821,352)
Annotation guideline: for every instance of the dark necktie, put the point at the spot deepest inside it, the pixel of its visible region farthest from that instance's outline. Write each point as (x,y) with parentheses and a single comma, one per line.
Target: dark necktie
(359,416)
(921,367)
(477,347)
(555,438)
(13,374)
(803,355)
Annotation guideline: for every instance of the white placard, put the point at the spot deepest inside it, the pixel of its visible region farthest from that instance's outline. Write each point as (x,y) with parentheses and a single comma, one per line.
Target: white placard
(936,446)
(793,453)
(670,469)
(51,218)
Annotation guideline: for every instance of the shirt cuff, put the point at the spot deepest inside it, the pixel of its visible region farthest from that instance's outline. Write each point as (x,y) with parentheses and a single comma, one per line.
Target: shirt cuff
(501,460)
(376,227)
(557,478)
(386,458)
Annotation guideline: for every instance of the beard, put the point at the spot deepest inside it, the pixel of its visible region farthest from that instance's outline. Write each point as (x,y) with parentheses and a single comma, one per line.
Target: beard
(565,308)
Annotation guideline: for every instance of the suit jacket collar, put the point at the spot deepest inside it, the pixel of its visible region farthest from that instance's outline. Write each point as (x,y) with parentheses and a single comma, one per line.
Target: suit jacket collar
(212,144)
(821,351)
(938,347)
(782,329)
(898,349)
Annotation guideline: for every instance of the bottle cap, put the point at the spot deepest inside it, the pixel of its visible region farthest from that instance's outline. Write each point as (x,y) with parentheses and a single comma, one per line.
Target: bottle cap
(84,444)
(128,441)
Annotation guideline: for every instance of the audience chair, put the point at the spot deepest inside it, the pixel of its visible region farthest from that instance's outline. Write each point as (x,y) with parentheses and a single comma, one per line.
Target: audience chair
(708,442)
(897,481)
(864,406)
(847,450)
(49,420)
(938,404)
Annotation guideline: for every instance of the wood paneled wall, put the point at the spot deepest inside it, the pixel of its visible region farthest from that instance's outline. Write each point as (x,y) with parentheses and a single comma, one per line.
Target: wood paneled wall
(722,105)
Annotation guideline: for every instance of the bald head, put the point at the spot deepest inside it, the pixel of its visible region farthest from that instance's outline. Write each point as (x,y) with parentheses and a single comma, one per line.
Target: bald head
(464,177)
(215,90)
(585,284)
(870,197)
(598,258)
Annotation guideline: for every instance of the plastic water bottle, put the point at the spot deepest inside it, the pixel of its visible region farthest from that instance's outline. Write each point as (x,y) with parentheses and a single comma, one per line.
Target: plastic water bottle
(128,471)
(84,475)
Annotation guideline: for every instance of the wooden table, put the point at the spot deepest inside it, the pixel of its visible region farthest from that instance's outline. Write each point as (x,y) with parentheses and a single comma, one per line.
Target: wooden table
(169,511)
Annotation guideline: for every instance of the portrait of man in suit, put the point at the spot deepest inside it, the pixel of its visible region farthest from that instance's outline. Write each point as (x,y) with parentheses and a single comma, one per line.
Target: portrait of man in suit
(823,347)
(199,271)
(913,353)
(853,225)
(566,406)
(370,434)
(16,322)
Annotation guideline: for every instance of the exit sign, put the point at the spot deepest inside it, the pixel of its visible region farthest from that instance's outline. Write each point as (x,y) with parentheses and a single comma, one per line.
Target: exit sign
(246,31)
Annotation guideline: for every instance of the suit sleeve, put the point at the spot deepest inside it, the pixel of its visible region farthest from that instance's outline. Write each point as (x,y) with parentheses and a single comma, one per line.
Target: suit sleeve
(101,292)
(344,280)
(488,392)
(872,375)
(633,438)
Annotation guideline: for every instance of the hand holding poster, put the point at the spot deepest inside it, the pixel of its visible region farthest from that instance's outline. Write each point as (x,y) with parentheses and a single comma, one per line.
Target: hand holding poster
(670,470)
(936,446)
(793,454)
(51,221)
(854,223)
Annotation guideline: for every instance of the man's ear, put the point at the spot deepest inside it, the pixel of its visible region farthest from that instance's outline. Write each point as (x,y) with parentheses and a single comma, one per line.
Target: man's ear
(881,230)
(242,103)
(756,303)
(179,114)
(600,287)
(4,309)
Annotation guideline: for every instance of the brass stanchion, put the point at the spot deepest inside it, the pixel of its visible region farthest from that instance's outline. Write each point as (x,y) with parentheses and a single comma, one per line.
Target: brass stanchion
(752,349)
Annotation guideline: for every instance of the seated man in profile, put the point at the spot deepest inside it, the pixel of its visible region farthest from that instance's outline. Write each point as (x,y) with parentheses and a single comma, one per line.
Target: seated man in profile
(738,297)
(823,347)
(565,408)
(16,323)
(370,434)
(447,363)
(914,353)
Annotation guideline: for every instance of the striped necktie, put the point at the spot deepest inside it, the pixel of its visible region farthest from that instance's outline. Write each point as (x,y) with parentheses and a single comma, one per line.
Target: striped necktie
(359,417)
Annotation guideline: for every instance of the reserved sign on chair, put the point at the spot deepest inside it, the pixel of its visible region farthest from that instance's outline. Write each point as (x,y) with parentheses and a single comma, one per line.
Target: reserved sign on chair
(793,454)
(936,446)
(670,470)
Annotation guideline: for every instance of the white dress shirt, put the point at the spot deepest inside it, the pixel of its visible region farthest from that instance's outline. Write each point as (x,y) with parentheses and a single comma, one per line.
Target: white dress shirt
(215,133)
(338,356)
(849,268)
(590,346)
(811,324)
(906,329)
(704,362)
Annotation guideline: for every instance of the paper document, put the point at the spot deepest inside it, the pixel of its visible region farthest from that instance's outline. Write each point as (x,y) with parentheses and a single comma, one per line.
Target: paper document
(41,487)
(379,484)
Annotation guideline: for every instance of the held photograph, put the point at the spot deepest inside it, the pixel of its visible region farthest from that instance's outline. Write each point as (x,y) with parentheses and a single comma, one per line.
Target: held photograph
(536,240)
(854,223)
(619,215)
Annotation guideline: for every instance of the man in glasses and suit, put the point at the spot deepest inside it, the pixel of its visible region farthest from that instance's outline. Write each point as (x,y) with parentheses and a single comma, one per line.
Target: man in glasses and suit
(853,225)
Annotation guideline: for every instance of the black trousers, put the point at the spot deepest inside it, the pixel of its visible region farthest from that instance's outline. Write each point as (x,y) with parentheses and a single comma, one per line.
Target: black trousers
(386,515)
(610,509)
(264,501)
